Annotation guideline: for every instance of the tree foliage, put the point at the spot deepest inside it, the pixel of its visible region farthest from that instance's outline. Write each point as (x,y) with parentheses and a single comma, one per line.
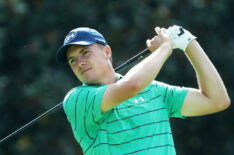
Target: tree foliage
(31,81)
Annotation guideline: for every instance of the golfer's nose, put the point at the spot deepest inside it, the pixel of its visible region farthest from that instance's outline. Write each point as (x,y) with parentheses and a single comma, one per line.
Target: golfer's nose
(81,61)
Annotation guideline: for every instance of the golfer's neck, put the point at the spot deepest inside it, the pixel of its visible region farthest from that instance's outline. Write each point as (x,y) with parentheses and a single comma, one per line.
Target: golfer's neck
(110,77)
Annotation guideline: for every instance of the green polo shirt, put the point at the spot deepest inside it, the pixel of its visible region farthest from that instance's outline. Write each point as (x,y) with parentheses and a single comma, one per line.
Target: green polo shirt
(139,125)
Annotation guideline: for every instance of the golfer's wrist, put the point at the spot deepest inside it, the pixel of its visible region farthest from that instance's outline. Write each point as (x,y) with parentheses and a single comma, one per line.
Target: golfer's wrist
(167,46)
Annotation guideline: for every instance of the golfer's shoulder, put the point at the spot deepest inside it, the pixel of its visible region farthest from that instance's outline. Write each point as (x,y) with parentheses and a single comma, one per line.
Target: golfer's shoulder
(71,92)
(84,90)
(159,84)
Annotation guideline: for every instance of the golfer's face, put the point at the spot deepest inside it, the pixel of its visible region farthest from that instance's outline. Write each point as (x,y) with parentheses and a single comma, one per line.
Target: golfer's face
(87,62)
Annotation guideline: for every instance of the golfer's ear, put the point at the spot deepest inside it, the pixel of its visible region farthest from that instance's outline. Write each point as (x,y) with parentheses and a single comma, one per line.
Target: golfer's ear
(108,52)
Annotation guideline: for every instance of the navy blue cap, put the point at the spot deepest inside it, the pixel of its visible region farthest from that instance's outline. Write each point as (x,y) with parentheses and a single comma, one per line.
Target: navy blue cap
(83,36)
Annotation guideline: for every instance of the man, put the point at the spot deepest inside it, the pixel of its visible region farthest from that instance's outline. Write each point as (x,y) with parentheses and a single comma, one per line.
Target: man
(113,114)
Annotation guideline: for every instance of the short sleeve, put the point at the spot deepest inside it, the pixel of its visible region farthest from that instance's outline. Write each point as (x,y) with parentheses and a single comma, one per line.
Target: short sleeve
(97,103)
(82,106)
(173,97)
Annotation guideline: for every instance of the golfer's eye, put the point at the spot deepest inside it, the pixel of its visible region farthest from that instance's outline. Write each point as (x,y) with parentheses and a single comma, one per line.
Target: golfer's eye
(72,61)
(84,53)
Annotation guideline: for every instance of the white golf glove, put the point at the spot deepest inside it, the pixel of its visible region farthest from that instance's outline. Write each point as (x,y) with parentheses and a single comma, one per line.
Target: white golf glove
(179,36)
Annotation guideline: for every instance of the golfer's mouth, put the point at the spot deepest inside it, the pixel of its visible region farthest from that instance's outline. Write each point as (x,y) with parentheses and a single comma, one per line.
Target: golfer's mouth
(85,70)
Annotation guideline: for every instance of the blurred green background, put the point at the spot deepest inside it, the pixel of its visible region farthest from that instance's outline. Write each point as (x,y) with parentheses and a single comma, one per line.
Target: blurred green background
(31,81)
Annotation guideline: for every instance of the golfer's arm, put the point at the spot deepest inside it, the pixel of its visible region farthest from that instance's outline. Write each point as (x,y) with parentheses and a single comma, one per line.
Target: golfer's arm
(212,95)
(136,79)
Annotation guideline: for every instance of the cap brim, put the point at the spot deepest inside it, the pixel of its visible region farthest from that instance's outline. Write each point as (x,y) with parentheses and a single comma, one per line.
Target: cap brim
(61,56)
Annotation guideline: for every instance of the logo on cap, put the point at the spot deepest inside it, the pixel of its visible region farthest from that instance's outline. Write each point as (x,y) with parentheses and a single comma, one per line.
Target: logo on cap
(70,37)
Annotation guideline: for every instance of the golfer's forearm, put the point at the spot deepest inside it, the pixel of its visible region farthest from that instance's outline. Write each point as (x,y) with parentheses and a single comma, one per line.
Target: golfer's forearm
(209,80)
(145,72)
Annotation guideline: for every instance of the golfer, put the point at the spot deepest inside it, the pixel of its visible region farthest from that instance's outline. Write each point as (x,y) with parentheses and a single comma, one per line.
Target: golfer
(115,114)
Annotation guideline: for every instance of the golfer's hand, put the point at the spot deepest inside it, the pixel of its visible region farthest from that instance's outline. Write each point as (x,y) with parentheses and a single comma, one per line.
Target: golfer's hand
(161,39)
(180,37)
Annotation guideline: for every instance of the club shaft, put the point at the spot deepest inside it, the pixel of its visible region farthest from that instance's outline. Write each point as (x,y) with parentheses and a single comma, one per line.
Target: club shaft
(133,59)
(32,122)
(139,56)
